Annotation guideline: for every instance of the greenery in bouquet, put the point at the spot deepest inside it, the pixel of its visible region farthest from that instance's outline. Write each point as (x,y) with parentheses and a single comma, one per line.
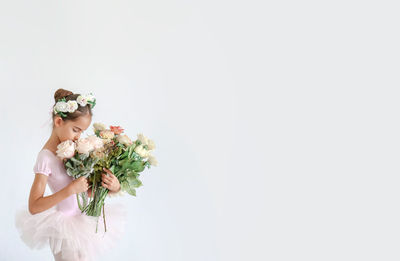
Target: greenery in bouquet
(111,149)
(79,159)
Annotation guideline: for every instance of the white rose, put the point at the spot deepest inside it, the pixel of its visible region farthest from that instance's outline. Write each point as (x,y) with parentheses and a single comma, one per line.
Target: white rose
(141,151)
(99,126)
(84,146)
(150,144)
(96,142)
(81,100)
(152,160)
(66,149)
(142,138)
(124,139)
(72,106)
(61,106)
(89,97)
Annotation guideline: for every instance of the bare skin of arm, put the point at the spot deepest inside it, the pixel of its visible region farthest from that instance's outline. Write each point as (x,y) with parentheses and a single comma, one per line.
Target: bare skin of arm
(38,203)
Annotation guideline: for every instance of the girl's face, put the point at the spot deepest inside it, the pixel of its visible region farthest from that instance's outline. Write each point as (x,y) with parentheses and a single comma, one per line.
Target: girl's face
(71,130)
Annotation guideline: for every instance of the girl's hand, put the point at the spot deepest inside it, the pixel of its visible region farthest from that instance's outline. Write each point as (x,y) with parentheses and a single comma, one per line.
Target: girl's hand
(110,181)
(79,185)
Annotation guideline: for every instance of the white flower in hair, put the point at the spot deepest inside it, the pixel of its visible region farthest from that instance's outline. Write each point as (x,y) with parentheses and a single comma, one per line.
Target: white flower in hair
(61,106)
(84,99)
(89,97)
(81,100)
(72,106)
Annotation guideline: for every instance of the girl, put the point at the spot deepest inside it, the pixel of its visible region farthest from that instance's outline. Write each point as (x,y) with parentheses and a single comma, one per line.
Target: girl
(57,219)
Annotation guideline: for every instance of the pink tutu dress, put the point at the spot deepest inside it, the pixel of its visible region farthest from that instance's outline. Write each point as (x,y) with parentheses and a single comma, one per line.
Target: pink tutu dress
(69,233)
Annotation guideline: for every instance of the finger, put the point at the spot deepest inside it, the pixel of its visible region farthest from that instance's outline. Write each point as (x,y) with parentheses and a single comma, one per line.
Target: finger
(104,184)
(104,177)
(108,171)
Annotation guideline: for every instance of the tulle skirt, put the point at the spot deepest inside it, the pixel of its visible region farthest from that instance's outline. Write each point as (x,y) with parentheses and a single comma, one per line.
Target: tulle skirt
(74,237)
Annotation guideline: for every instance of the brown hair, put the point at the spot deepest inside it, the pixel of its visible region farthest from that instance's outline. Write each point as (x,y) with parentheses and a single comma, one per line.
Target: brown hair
(68,95)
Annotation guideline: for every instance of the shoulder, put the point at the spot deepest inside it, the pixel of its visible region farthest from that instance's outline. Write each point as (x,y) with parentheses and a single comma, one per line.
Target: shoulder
(43,162)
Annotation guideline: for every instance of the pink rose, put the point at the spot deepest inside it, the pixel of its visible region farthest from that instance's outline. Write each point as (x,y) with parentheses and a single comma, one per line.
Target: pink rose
(96,142)
(84,146)
(66,149)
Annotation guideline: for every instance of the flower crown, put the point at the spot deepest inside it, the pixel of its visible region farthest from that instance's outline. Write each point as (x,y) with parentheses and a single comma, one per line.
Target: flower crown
(63,106)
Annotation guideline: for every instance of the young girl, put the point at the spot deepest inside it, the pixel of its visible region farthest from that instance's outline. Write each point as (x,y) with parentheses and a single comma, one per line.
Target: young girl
(56,219)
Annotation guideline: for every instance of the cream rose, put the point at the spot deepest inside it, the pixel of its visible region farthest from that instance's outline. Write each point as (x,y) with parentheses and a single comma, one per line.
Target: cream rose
(142,138)
(107,134)
(141,151)
(124,139)
(99,154)
(99,126)
(84,146)
(66,149)
(152,160)
(96,142)
(150,144)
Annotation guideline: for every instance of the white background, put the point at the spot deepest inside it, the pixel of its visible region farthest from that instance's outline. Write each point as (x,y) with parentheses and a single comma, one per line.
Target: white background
(276,122)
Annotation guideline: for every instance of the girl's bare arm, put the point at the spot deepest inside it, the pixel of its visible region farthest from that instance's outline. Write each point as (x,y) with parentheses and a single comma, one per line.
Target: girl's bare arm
(38,203)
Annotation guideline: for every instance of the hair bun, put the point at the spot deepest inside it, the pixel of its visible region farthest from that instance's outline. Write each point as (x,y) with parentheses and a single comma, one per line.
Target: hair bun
(60,93)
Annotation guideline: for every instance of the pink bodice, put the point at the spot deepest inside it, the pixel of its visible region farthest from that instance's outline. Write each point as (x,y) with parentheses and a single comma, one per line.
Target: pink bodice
(47,163)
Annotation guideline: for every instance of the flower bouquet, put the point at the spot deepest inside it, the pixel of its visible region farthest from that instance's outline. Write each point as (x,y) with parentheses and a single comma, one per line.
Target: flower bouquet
(110,149)
(79,159)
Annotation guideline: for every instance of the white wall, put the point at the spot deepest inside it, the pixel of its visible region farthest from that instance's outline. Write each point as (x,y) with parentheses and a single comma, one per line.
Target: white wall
(276,122)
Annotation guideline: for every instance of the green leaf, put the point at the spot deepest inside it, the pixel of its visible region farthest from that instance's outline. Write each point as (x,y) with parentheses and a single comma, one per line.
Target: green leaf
(83,156)
(125,186)
(75,160)
(92,103)
(63,115)
(131,191)
(134,182)
(137,166)
(112,168)
(68,164)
